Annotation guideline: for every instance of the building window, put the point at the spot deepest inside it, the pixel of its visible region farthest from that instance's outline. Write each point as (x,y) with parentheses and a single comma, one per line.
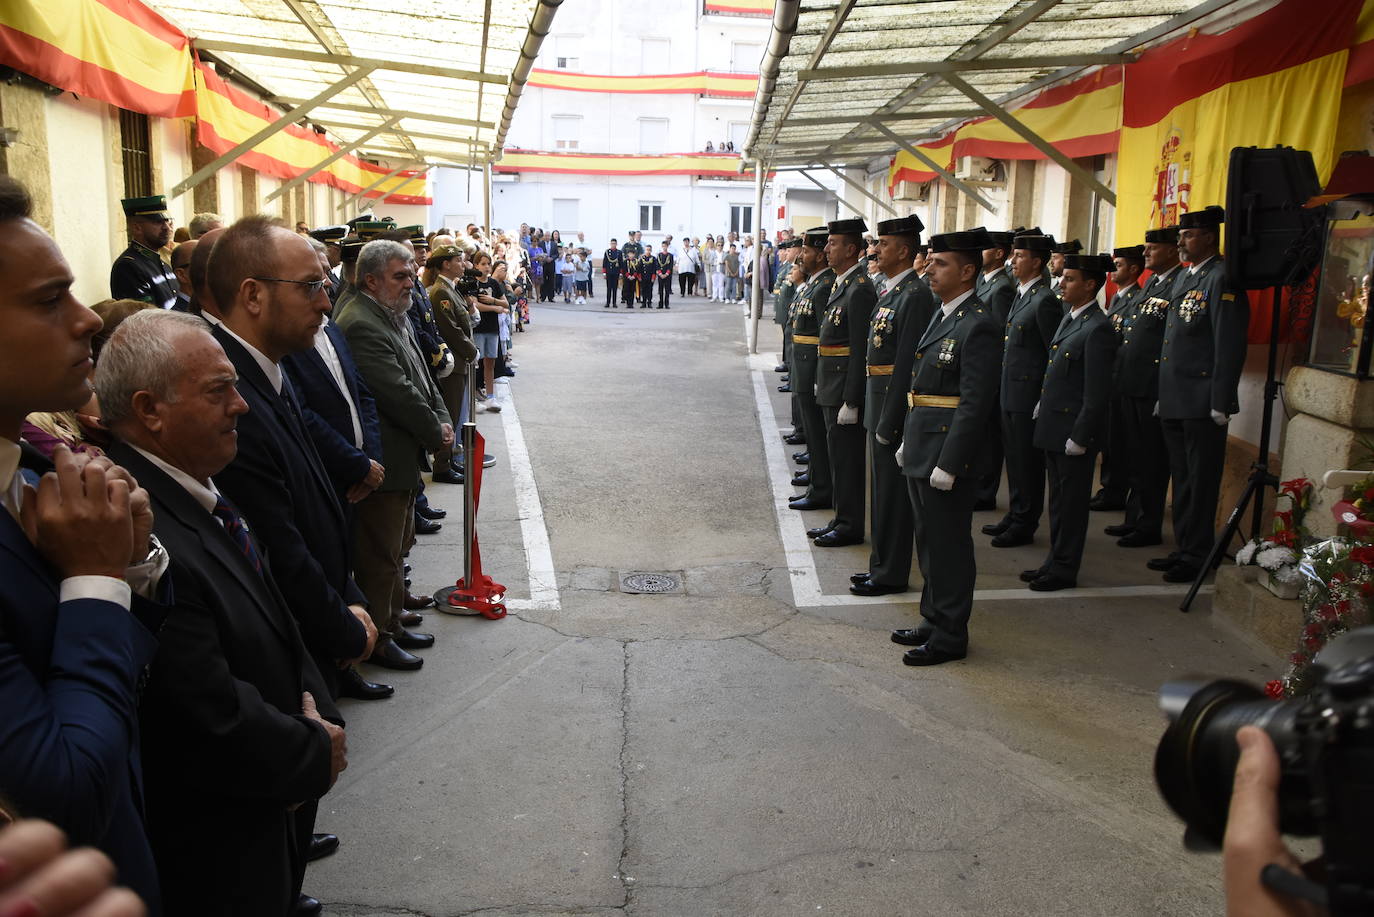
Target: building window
(739,132)
(741,218)
(567,132)
(567,52)
(650,217)
(565,215)
(135,147)
(745,56)
(653,136)
(653,55)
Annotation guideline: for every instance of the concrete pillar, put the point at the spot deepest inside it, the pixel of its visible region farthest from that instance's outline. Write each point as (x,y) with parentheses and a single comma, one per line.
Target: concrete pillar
(1332,413)
(23,108)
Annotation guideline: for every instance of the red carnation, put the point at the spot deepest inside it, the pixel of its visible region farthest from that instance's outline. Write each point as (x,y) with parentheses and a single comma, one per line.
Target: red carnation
(1298,658)
(1274,689)
(1327,613)
(1364,554)
(1295,487)
(1366,589)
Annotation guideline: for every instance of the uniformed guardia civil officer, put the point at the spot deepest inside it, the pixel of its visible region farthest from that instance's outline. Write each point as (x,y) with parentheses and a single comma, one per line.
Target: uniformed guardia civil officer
(663,274)
(783,293)
(1032,321)
(807,310)
(996,289)
(1128,264)
(840,378)
(904,309)
(1137,387)
(139,272)
(1071,416)
(332,237)
(612,265)
(952,392)
(1200,364)
(1058,252)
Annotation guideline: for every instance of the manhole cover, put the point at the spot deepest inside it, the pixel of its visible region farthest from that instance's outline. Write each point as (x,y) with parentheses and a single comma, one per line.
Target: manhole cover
(650,583)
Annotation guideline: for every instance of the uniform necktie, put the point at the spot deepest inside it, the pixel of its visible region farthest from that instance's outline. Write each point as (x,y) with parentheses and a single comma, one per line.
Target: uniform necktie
(237,529)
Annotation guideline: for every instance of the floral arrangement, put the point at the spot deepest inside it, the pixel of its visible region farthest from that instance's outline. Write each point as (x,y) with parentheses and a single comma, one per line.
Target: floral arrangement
(1277,552)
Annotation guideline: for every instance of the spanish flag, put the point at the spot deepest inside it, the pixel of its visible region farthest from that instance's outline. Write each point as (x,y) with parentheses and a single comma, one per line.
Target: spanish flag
(1274,79)
(741,7)
(720,165)
(705,83)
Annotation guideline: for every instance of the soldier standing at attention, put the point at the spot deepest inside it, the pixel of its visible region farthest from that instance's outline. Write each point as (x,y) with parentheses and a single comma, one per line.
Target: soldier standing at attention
(1071,417)
(1057,255)
(1128,264)
(840,378)
(663,274)
(1137,384)
(952,391)
(783,294)
(139,272)
(612,264)
(1032,321)
(996,289)
(1200,363)
(903,312)
(811,299)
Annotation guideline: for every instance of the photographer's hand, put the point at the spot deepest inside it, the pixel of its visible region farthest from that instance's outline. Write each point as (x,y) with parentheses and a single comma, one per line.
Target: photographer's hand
(1252,834)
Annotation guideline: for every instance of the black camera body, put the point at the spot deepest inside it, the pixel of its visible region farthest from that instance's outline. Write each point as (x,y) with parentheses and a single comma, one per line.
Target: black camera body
(1325,743)
(468,283)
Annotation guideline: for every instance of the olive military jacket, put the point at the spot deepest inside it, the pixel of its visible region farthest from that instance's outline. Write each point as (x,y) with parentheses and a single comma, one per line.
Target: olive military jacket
(1032,321)
(844,340)
(782,300)
(903,312)
(1203,352)
(1142,334)
(806,310)
(1078,383)
(453,320)
(997,294)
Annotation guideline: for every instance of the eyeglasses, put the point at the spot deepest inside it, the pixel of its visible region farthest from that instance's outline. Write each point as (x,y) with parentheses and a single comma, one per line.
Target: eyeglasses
(312,287)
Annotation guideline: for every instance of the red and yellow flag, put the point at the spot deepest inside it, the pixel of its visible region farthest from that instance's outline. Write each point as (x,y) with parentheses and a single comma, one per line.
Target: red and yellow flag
(706,83)
(713,164)
(741,7)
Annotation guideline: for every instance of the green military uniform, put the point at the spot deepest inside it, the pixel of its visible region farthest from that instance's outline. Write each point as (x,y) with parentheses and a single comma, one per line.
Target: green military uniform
(811,298)
(783,294)
(139,272)
(952,391)
(840,382)
(1115,476)
(996,292)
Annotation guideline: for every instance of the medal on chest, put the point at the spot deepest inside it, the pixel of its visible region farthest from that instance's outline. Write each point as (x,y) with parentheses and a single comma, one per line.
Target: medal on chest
(1193,306)
(945,355)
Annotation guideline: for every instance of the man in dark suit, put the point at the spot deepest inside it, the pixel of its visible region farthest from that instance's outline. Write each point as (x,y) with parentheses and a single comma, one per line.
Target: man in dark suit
(840,378)
(1200,364)
(952,392)
(903,311)
(1034,316)
(71,652)
(612,265)
(1071,417)
(663,274)
(996,289)
(264,280)
(239,733)
(1128,264)
(807,308)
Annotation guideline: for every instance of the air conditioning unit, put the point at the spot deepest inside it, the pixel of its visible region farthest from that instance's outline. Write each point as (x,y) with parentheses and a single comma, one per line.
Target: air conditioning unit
(911,191)
(980,169)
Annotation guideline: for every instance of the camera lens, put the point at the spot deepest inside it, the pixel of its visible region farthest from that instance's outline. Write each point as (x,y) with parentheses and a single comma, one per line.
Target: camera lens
(1195,764)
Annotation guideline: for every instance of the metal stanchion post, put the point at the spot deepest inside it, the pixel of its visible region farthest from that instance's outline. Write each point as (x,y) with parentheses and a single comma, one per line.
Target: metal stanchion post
(469,494)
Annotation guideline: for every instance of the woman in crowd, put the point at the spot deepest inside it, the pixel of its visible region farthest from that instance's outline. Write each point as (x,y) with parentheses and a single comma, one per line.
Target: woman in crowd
(554,248)
(487,334)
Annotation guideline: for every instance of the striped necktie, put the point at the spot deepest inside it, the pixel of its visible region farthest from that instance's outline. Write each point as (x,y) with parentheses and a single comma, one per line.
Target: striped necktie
(237,529)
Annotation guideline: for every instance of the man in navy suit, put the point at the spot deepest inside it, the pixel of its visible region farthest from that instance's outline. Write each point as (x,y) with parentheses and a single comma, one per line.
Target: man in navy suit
(239,730)
(71,653)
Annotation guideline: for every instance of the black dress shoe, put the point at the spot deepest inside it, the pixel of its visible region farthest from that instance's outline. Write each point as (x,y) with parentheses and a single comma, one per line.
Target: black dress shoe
(430,512)
(1051,583)
(1139,540)
(780,368)
(868,587)
(1010,539)
(410,618)
(853,577)
(1030,576)
(1116,531)
(1181,573)
(911,636)
(1163,563)
(407,582)
(805,503)
(446,477)
(801,479)
(833,539)
(390,656)
(425,526)
(1106,503)
(818,532)
(785,388)
(801,458)
(406,567)
(411,640)
(417,602)
(794,439)
(925,654)
(307,906)
(353,684)
(980,506)
(995,528)
(321,846)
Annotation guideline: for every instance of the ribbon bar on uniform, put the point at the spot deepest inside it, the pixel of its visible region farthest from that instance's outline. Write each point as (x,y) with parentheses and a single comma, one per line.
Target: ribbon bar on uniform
(914,400)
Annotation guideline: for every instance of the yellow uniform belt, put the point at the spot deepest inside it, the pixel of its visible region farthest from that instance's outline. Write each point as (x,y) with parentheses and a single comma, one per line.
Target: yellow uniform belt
(828,350)
(914,400)
(805,339)
(884,370)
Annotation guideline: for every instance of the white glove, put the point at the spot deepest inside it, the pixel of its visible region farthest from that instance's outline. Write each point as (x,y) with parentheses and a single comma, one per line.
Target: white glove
(941,479)
(446,367)
(880,439)
(900,450)
(1072,448)
(816,389)
(1035,411)
(848,415)
(1155,412)
(1220,419)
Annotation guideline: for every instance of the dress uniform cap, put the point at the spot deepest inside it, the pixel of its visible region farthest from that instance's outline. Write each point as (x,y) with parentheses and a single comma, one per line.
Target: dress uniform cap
(152,206)
(970,240)
(1001,239)
(816,238)
(1033,242)
(1067,248)
(329,234)
(1206,218)
(366,230)
(789,243)
(1166,236)
(445,251)
(1133,252)
(901,226)
(1103,263)
(349,249)
(417,235)
(846,227)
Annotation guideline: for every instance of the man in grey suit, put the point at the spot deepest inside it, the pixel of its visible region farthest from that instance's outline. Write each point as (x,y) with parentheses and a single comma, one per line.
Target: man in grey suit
(952,392)
(1071,417)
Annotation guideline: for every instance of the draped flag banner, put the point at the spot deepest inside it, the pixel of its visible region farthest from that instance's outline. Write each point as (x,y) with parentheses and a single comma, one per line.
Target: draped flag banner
(741,7)
(117,51)
(1082,118)
(226,116)
(706,83)
(721,165)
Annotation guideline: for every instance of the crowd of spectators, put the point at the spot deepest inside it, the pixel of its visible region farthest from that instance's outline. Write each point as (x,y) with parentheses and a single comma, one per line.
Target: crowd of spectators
(208,501)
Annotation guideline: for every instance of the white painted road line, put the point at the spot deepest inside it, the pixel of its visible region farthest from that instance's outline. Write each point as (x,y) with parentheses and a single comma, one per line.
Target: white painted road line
(538,555)
(796,547)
